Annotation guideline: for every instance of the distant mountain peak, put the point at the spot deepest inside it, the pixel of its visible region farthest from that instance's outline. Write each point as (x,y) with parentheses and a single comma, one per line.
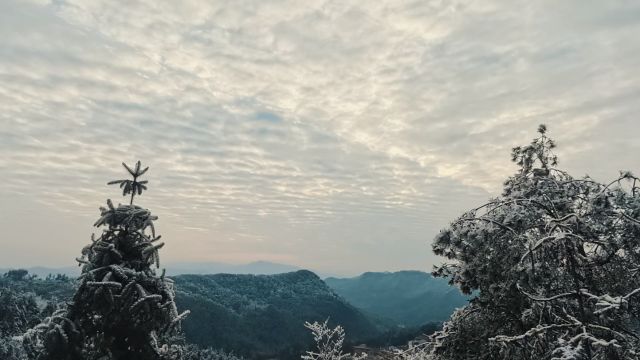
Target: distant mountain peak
(264,262)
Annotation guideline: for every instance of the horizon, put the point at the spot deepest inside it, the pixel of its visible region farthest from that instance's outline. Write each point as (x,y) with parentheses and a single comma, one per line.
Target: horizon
(330,136)
(181,271)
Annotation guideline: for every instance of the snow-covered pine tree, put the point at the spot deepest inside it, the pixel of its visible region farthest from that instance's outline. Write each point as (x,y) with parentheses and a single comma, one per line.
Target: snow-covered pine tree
(122,309)
(554,262)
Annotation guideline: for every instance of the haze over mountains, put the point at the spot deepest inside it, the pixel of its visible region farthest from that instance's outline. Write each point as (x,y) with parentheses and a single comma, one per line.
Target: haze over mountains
(186,267)
(211,267)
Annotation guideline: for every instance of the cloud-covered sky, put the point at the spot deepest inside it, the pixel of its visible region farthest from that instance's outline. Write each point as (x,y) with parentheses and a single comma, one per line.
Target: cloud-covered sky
(335,135)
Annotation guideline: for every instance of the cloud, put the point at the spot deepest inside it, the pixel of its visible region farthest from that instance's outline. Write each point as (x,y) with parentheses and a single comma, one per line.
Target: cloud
(330,134)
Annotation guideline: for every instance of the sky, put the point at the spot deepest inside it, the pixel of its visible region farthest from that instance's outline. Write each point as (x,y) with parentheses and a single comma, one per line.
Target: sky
(339,136)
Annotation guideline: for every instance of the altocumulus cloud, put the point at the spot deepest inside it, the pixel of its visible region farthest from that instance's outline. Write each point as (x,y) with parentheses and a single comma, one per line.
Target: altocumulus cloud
(335,135)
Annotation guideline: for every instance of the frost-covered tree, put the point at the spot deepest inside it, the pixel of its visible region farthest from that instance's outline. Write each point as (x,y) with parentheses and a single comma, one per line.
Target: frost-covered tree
(329,343)
(18,311)
(554,262)
(122,309)
(421,351)
(16,275)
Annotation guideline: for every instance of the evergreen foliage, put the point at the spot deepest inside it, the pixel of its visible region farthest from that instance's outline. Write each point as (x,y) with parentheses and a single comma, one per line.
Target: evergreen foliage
(555,260)
(122,309)
(16,275)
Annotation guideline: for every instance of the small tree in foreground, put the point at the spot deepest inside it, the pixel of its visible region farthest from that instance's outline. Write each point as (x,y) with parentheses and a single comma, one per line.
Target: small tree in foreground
(122,309)
(554,262)
(329,343)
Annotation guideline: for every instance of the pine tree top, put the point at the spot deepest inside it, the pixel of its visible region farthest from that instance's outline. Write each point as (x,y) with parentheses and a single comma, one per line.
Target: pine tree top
(134,186)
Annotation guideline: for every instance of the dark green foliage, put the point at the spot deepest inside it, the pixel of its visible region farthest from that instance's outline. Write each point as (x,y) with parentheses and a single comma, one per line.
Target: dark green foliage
(263,316)
(194,352)
(409,298)
(16,275)
(121,309)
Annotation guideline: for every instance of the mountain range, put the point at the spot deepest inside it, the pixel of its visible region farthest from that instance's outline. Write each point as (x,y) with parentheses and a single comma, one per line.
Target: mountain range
(185,267)
(406,298)
(254,268)
(263,316)
(179,268)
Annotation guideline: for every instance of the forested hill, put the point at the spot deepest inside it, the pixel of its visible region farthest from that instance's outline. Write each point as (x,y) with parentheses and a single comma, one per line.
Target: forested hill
(405,297)
(262,316)
(257,316)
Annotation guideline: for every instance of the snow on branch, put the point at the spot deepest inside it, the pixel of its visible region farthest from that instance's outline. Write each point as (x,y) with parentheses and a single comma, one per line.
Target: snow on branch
(488,220)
